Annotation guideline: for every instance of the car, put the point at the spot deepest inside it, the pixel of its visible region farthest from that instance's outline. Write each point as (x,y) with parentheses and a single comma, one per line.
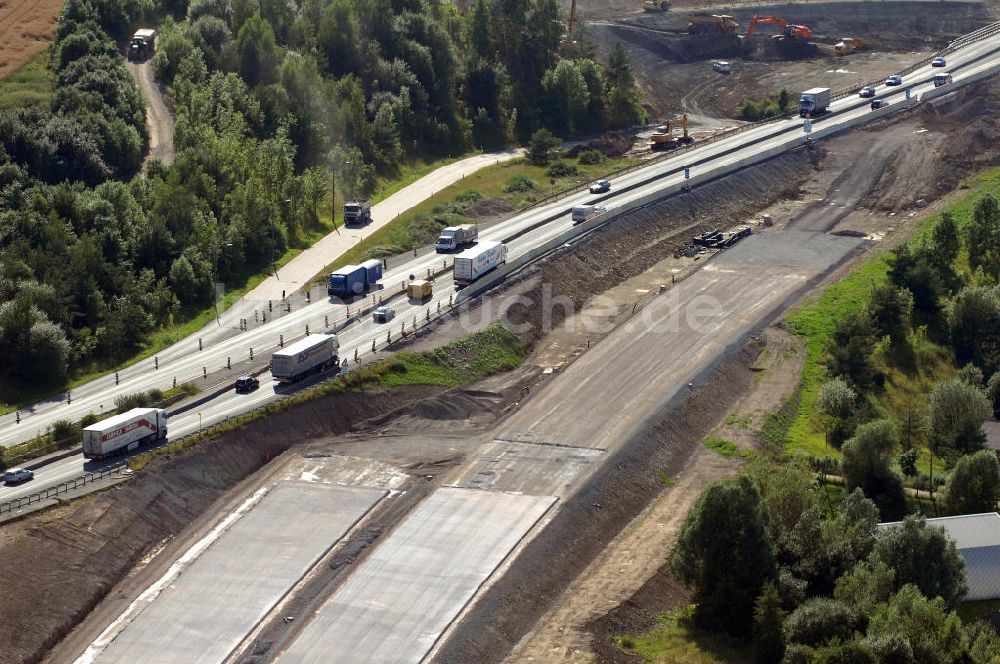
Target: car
(895,79)
(247,383)
(18,475)
(879,103)
(938,62)
(383,314)
(722,67)
(867,91)
(600,187)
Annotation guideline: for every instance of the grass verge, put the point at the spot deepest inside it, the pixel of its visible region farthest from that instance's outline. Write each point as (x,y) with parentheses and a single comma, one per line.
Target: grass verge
(724,447)
(31,85)
(677,640)
(478,355)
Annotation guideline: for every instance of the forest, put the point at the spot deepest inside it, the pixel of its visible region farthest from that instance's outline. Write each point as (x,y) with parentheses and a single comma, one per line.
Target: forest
(272,98)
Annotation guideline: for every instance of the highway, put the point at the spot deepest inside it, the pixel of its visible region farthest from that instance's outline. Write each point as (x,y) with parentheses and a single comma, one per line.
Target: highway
(523,232)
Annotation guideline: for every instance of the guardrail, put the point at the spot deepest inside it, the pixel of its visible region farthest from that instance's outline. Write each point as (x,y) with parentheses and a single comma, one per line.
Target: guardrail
(64,487)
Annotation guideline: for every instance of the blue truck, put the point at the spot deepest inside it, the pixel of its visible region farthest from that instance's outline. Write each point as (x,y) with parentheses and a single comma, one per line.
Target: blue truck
(352,280)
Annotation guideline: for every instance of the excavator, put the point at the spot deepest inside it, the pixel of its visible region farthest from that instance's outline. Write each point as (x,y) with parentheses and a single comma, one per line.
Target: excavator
(663,136)
(569,40)
(706,23)
(655,5)
(788,30)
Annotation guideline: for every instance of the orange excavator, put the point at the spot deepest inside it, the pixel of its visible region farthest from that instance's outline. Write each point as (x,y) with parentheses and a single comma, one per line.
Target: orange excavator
(788,30)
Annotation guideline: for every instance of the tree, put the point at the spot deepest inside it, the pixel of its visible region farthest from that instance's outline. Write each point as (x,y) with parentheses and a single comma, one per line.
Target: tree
(922,555)
(480,34)
(723,553)
(957,413)
(890,309)
(911,422)
(540,149)
(922,624)
(768,621)
(848,351)
(945,242)
(974,485)
(972,375)
(820,620)
(866,586)
(566,96)
(620,73)
(783,100)
(993,393)
(34,352)
(836,403)
(866,467)
(908,463)
(982,236)
(258,52)
(974,322)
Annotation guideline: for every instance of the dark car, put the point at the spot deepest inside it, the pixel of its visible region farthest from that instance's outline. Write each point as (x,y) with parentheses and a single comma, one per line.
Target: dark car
(879,103)
(867,91)
(247,384)
(600,187)
(895,79)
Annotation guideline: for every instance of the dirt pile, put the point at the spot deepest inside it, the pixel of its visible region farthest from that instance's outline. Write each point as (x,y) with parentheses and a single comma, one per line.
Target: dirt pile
(488,208)
(71,558)
(612,144)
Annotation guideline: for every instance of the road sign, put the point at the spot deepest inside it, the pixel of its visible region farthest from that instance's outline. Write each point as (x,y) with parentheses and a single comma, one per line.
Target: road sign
(907,93)
(687,172)
(807,126)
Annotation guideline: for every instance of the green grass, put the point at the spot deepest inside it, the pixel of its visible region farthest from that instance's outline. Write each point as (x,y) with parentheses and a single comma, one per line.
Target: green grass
(478,355)
(421,224)
(724,447)
(31,85)
(677,640)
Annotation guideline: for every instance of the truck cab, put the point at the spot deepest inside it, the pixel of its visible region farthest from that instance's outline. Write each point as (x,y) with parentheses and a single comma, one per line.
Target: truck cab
(358,212)
(142,44)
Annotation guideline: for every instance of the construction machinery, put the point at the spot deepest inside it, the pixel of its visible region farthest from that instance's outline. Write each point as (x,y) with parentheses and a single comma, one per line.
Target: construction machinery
(848,45)
(788,30)
(712,23)
(663,137)
(655,5)
(569,40)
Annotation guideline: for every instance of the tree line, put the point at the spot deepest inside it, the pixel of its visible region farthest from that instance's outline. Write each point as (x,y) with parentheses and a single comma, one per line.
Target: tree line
(270,97)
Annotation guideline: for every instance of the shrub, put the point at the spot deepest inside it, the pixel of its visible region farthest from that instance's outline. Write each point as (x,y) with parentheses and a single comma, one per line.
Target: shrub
(519,183)
(590,156)
(819,620)
(561,169)
(64,430)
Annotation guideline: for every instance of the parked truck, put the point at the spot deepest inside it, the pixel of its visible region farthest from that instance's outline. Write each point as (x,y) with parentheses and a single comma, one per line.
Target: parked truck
(142,44)
(310,355)
(454,237)
(814,102)
(477,261)
(352,280)
(125,432)
(358,212)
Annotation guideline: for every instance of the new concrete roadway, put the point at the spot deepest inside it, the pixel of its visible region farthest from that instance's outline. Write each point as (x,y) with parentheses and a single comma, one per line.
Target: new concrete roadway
(523,232)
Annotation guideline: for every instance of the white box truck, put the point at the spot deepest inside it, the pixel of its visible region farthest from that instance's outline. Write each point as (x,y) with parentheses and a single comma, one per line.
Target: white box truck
(814,102)
(582,213)
(125,432)
(310,355)
(453,237)
(477,261)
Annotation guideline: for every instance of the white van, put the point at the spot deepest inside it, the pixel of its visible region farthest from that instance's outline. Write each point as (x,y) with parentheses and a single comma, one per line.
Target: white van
(582,213)
(722,67)
(944,78)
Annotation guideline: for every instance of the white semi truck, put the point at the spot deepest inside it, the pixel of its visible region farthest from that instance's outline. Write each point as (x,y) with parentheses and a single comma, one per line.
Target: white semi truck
(310,355)
(454,237)
(125,432)
(477,261)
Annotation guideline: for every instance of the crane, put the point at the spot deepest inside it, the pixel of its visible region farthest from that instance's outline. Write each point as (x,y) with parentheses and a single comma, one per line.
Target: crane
(788,30)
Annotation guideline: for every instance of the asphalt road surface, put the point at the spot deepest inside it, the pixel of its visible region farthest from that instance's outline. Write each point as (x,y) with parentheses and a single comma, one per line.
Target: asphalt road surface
(203,612)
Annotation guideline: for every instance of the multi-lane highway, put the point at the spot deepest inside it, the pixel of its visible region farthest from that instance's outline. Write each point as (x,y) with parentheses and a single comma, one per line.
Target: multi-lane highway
(523,232)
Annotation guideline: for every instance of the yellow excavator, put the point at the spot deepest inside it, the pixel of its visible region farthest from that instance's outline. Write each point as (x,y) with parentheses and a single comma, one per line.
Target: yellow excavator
(663,136)
(848,45)
(709,23)
(655,5)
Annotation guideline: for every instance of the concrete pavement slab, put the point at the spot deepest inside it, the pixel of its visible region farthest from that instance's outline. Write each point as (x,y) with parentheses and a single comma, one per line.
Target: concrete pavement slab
(220,596)
(396,605)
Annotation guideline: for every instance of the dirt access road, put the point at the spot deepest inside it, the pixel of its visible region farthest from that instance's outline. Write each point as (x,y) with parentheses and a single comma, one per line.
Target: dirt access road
(26,29)
(159,119)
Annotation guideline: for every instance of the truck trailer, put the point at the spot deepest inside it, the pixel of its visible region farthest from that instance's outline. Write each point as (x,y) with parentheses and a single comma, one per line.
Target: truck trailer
(454,237)
(358,212)
(814,102)
(313,354)
(352,280)
(125,432)
(477,261)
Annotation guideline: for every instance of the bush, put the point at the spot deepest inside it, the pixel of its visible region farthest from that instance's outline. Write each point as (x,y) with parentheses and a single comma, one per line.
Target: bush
(519,183)
(126,402)
(561,169)
(590,157)
(65,430)
(819,620)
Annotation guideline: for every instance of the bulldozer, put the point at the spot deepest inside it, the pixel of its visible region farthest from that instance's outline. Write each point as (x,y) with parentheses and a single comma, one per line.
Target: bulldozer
(663,136)
(709,23)
(788,30)
(655,5)
(848,45)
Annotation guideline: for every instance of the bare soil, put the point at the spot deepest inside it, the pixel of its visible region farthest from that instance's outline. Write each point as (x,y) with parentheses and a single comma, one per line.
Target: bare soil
(26,29)
(159,119)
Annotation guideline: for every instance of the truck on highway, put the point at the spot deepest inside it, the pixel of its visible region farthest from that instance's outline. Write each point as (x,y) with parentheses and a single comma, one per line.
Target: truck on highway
(142,44)
(814,102)
(419,289)
(454,237)
(358,212)
(352,280)
(944,78)
(125,432)
(313,354)
(477,261)
(582,213)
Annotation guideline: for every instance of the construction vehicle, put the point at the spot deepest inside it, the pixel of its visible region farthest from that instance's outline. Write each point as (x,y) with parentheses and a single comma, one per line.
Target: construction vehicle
(655,5)
(712,23)
(848,45)
(788,30)
(663,136)
(358,212)
(568,40)
(142,44)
